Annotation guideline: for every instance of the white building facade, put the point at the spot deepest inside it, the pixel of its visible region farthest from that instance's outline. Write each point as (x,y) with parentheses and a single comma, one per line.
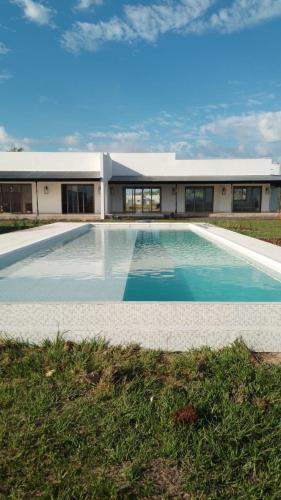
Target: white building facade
(98,185)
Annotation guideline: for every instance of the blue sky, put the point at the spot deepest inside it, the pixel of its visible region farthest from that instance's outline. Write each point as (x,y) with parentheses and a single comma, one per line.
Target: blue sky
(199,77)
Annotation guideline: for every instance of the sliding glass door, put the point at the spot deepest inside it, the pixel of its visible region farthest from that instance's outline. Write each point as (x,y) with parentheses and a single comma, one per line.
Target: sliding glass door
(141,200)
(247,199)
(199,199)
(16,198)
(77,199)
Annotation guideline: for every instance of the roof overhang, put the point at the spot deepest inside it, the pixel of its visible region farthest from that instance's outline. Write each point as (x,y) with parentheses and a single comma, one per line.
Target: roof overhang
(45,176)
(240,179)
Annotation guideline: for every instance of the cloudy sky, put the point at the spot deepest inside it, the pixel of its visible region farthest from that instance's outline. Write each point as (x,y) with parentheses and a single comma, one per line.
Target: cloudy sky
(199,77)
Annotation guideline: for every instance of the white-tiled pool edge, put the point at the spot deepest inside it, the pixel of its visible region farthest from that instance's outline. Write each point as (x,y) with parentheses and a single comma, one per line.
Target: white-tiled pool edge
(265,255)
(174,326)
(17,240)
(171,326)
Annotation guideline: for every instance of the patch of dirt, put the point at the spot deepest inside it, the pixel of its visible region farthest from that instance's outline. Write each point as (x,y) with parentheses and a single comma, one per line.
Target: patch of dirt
(164,358)
(254,358)
(187,414)
(68,346)
(167,479)
(261,403)
(274,241)
(271,358)
(92,377)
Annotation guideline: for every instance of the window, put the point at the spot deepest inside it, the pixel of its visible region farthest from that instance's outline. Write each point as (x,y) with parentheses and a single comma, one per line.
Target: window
(199,199)
(139,200)
(77,198)
(16,198)
(247,199)
(240,194)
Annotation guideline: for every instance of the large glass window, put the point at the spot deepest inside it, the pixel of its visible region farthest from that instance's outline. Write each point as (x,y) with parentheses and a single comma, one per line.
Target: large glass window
(247,199)
(199,199)
(77,198)
(138,200)
(16,198)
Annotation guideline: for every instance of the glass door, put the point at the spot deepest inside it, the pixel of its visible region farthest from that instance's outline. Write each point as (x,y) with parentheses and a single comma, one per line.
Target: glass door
(247,199)
(141,200)
(199,199)
(138,200)
(77,199)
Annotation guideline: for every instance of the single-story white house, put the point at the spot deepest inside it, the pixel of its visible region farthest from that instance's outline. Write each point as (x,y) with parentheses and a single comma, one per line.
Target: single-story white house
(139,184)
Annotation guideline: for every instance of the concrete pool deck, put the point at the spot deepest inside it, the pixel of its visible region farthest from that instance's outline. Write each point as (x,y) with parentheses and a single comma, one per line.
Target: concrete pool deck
(11,242)
(174,326)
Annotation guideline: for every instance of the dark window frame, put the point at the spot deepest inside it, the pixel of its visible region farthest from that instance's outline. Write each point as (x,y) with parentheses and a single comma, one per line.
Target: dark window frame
(65,185)
(246,187)
(194,187)
(142,188)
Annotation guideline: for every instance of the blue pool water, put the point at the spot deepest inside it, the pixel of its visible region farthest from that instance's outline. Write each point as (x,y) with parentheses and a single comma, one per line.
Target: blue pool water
(112,264)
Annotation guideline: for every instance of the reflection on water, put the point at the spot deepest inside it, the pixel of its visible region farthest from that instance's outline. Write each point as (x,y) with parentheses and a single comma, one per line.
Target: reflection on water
(129,264)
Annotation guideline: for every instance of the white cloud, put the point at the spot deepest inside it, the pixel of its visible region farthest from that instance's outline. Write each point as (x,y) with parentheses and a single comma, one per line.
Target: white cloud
(86,4)
(7,141)
(35,12)
(243,14)
(260,127)
(121,136)
(4,137)
(149,22)
(181,147)
(139,22)
(4,76)
(251,134)
(247,135)
(109,140)
(72,139)
(3,49)
(119,141)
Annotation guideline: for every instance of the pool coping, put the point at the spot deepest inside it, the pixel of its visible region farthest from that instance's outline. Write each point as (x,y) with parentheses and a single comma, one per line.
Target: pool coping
(174,326)
(10,242)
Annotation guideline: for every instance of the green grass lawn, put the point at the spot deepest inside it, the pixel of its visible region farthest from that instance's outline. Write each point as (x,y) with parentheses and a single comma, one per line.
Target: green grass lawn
(89,421)
(8,226)
(265,229)
(268,229)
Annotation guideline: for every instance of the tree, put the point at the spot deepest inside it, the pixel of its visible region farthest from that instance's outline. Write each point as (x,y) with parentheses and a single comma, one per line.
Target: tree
(16,149)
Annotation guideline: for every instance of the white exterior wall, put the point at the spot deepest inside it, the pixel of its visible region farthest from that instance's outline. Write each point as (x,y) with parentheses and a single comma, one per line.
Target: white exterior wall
(51,162)
(168,198)
(157,164)
(222,198)
(116,198)
(106,174)
(265,198)
(49,203)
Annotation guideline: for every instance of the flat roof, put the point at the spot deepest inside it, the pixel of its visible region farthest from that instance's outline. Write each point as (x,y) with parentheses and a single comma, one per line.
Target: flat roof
(219,179)
(49,176)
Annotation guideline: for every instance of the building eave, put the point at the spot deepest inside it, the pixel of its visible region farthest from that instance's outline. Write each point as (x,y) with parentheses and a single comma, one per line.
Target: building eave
(240,179)
(45,176)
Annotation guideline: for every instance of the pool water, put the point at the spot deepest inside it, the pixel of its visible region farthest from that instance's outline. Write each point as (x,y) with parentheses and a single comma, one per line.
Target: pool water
(113,264)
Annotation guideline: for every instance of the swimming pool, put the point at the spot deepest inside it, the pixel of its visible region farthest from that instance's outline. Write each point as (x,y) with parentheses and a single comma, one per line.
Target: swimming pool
(133,265)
